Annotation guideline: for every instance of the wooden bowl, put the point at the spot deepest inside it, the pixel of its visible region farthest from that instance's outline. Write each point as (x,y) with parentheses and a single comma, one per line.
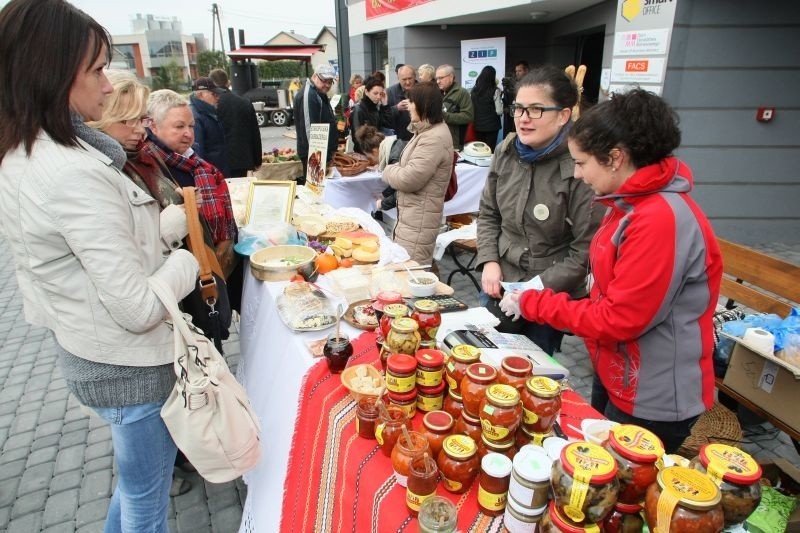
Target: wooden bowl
(265,263)
(350,372)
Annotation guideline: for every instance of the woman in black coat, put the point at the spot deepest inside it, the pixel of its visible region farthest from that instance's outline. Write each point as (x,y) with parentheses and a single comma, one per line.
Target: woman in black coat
(485,97)
(371,110)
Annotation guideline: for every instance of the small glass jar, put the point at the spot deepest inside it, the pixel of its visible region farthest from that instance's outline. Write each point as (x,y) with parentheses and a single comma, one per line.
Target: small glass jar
(541,404)
(401,373)
(736,474)
(405,400)
(625,518)
(636,451)
(469,426)
(493,483)
(524,437)
(453,404)
(389,427)
(520,519)
(437,515)
(430,398)
(430,367)
(405,451)
(684,499)
(337,352)
(427,315)
(530,477)
(458,463)
(554,521)
(436,426)
(403,337)
(388,314)
(486,446)
(473,386)
(366,416)
(423,478)
(584,482)
(461,356)
(500,413)
(515,371)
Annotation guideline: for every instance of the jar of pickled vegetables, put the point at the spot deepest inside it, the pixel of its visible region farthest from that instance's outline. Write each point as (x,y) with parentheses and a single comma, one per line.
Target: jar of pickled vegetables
(388,314)
(390,427)
(423,477)
(437,515)
(500,413)
(541,404)
(403,337)
(383,299)
(468,425)
(453,404)
(461,356)
(554,521)
(584,481)
(427,315)
(636,451)
(473,386)
(458,463)
(683,499)
(436,426)
(515,371)
(405,451)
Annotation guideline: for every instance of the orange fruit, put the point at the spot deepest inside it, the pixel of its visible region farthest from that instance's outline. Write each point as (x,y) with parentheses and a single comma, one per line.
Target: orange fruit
(346,263)
(325,263)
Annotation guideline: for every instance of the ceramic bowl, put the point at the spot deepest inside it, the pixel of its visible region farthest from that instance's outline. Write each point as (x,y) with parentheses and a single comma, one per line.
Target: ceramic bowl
(425,284)
(596,430)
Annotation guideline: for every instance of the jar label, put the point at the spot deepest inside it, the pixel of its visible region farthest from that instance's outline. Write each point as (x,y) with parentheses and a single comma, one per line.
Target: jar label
(589,461)
(410,408)
(577,497)
(667,501)
(490,500)
(452,383)
(451,485)
(429,378)
(400,384)
(459,446)
(414,501)
(529,417)
(401,479)
(690,484)
(493,432)
(430,403)
(379,432)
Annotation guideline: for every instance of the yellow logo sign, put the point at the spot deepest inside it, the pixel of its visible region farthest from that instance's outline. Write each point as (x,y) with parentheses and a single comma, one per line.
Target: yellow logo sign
(631,9)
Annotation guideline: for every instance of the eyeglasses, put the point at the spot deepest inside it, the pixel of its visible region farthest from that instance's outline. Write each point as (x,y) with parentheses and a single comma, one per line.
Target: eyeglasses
(533,111)
(440,78)
(132,123)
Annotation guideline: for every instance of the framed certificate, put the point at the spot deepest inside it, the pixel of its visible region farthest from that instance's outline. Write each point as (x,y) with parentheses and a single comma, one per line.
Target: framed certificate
(269,202)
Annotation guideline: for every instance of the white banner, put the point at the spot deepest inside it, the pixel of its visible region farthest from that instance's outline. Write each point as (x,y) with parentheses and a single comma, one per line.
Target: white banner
(479,53)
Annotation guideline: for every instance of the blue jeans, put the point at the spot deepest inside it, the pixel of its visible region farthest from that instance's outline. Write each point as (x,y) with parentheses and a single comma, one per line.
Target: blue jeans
(145,455)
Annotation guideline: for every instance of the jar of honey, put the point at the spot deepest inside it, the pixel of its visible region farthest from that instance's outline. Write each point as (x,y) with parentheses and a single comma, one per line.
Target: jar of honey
(473,386)
(486,446)
(458,463)
(423,477)
(453,404)
(461,356)
(493,483)
(430,398)
(430,367)
(436,426)
(403,337)
(515,371)
(500,413)
(405,451)
(405,400)
(389,427)
(636,451)
(427,315)
(401,373)
(468,425)
(366,416)
(541,404)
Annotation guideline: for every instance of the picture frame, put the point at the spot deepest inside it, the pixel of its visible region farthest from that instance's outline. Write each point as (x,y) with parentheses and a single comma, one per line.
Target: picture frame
(269,202)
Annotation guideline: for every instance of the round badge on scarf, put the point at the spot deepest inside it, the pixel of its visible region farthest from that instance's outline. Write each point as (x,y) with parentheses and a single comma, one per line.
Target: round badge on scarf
(541,212)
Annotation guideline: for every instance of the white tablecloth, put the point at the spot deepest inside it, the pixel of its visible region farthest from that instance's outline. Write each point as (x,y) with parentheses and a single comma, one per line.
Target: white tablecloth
(362,190)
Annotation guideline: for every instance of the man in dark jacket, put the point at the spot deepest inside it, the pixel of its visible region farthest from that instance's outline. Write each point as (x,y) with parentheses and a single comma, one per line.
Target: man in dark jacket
(209,135)
(397,100)
(457,105)
(311,106)
(242,136)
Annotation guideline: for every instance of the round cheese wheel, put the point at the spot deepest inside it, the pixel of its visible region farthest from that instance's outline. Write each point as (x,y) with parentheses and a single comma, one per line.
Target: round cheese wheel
(359,254)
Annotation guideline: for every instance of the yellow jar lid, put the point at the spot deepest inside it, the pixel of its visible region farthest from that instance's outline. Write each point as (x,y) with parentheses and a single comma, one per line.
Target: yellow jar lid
(730,464)
(405,324)
(636,443)
(543,386)
(692,488)
(459,446)
(465,353)
(395,310)
(588,462)
(426,306)
(502,395)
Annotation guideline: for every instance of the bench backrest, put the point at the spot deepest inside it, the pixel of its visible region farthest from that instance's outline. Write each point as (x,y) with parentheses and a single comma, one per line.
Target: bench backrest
(754,279)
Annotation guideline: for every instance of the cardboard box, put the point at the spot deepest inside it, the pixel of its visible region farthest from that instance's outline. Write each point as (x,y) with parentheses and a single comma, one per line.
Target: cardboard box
(767,381)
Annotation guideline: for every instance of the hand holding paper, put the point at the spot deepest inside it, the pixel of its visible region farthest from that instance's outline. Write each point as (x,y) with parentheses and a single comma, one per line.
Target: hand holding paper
(534,283)
(510,305)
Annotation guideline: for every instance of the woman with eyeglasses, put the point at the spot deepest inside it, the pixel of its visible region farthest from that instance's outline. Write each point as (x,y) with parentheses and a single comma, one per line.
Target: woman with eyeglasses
(536,221)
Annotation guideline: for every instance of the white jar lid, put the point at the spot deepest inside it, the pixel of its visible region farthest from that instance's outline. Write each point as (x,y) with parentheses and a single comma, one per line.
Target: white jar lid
(496,465)
(533,463)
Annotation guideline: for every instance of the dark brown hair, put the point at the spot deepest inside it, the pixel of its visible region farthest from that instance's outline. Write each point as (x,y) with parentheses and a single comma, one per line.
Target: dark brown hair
(43,44)
(561,87)
(369,138)
(427,99)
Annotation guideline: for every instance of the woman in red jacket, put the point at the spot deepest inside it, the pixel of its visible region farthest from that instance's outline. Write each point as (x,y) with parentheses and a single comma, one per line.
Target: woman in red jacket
(655,268)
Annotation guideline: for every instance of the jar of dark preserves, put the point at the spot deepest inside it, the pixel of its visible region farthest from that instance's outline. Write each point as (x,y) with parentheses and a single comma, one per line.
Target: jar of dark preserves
(453,404)
(515,371)
(366,416)
(405,451)
(436,426)
(467,425)
(430,398)
(473,386)
(736,474)
(337,352)
(554,521)
(636,451)
(405,400)
(427,315)
(500,413)
(423,477)
(461,356)
(541,404)
(486,446)
(584,481)
(389,427)
(683,499)
(493,484)
(625,518)
(458,463)
(430,367)
(403,337)
(401,372)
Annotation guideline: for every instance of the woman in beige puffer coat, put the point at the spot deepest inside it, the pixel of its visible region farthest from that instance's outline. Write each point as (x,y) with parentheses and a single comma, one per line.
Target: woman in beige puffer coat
(422,174)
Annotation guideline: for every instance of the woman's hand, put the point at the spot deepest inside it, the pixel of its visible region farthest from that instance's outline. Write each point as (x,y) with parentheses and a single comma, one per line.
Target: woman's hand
(491,278)
(510,305)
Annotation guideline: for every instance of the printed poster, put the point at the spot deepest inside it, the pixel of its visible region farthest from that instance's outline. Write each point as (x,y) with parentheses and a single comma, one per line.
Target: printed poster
(479,53)
(317,157)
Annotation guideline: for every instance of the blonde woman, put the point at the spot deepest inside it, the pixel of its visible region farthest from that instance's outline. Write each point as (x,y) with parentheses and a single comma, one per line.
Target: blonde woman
(425,73)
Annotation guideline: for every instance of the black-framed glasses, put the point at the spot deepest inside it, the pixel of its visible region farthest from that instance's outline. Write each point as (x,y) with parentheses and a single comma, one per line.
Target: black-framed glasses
(132,123)
(533,111)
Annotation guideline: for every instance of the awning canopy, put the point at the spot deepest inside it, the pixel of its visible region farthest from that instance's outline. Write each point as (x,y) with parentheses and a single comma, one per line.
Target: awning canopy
(276,52)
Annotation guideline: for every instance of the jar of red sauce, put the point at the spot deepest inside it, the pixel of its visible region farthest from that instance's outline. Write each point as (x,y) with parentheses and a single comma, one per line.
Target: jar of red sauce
(472,388)
(486,446)
(500,413)
(453,404)
(401,373)
(458,463)
(625,518)
(427,315)
(430,398)
(436,426)
(525,437)
(405,400)
(636,451)
(461,356)
(493,484)
(683,499)
(584,482)
(468,425)
(389,427)
(515,371)
(423,478)
(405,451)
(554,521)
(366,416)
(541,404)
(430,367)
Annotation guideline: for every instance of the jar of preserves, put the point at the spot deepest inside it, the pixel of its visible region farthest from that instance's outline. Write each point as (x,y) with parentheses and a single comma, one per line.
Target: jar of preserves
(530,477)
(467,425)
(493,483)
(554,521)
(625,518)
(405,400)
(736,474)
(500,412)
(337,352)
(584,481)
(437,515)
(430,367)
(486,446)
(683,499)
(436,426)
(515,371)
(520,519)
(389,313)
(430,398)
(384,298)
(472,388)
(427,315)
(541,404)
(366,416)
(524,437)
(461,356)
(458,463)
(403,337)
(405,451)
(423,477)
(636,451)
(401,373)
(389,427)
(453,404)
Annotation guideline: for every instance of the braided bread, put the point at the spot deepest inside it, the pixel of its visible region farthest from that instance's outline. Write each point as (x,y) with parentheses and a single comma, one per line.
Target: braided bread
(349,165)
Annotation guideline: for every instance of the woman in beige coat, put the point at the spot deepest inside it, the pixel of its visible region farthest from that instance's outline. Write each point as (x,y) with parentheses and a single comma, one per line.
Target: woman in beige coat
(422,175)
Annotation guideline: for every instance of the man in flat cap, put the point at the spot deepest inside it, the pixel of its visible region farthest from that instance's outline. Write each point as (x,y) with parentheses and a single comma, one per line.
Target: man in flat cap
(311,106)
(209,134)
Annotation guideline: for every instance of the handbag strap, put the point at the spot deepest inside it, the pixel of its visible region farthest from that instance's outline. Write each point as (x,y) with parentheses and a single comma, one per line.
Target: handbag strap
(182,334)
(208,285)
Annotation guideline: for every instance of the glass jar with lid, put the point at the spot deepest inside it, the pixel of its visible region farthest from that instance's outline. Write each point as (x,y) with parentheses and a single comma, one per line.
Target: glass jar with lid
(625,518)
(388,314)
(521,519)
(423,478)
(636,451)
(405,400)
(430,367)
(461,356)
(541,404)
(500,413)
(337,352)
(472,388)
(366,416)
(684,499)
(736,474)
(468,425)
(437,514)
(436,426)
(515,371)
(493,483)
(530,477)
(431,398)
(505,447)
(584,481)
(383,299)
(554,521)
(427,315)
(401,373)
(524,437)
(405,451)
(458,463)
(403,337)
(389,427)
(453,404)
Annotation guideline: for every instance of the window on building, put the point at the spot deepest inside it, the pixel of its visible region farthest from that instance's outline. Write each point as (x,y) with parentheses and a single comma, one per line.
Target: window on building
(380,51)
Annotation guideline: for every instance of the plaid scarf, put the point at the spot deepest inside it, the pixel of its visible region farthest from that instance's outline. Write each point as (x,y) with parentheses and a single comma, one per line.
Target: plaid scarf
(213,199)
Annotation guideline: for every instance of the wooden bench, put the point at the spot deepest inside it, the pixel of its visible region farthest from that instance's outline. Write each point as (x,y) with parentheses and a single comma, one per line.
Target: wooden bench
(762,283)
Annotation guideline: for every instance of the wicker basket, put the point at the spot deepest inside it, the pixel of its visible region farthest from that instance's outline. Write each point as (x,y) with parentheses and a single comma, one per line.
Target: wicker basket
(349,165)
(284,171)
(718,424)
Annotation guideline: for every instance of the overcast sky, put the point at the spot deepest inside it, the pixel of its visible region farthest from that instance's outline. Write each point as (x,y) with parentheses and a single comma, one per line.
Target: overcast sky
(260,20)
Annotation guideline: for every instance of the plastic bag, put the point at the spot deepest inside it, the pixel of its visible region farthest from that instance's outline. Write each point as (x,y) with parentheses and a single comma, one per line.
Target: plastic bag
(724,345)
(272,235)
(772,514)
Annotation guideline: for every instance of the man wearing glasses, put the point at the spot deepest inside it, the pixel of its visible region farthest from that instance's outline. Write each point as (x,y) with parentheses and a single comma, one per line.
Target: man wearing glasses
(457,105)
(311,106)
